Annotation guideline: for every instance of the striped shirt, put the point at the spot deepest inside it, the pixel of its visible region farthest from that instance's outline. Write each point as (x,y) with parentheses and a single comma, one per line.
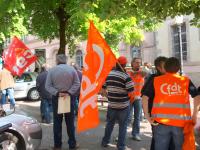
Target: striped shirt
(118,85)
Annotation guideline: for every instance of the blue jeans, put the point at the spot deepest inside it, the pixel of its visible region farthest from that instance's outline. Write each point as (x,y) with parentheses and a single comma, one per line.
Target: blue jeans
(10,93)
(171,144)
(122,117)
(164,133)
(57,125)
(46,108)
(137,107)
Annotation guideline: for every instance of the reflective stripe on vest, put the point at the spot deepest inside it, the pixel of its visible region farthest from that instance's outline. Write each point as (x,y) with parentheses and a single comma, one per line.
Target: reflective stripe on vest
(170,105)
(169,116)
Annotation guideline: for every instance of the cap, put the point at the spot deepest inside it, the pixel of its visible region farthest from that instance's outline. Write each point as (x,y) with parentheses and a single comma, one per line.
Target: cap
(122,60)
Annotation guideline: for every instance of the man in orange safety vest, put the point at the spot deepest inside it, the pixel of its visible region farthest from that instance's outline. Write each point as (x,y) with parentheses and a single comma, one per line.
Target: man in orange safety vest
(171,106)
(137,75)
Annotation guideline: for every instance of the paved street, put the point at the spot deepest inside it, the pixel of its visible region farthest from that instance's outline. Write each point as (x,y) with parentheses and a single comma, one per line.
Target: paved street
(89,140)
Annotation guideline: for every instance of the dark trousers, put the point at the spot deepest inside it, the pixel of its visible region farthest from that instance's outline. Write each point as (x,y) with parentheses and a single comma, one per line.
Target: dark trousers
(57,125)
(46,109)
(171,145)
(75,100)
(121,116)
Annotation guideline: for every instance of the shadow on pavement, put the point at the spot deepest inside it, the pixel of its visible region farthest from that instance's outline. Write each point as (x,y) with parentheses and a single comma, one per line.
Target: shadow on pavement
(89,140)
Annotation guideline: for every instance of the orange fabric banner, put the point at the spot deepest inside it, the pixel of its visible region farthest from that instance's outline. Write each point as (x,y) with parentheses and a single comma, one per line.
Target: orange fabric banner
(189,138)
(98,62)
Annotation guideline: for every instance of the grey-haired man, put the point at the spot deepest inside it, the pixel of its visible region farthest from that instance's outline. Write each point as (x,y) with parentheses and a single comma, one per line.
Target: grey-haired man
(62,80)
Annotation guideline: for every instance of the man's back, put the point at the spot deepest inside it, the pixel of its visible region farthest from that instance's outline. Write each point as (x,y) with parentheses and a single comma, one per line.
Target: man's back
(118,85)
(62,78)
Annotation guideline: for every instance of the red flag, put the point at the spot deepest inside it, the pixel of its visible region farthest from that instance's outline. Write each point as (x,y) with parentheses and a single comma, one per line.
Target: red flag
(18,57)
(98,62)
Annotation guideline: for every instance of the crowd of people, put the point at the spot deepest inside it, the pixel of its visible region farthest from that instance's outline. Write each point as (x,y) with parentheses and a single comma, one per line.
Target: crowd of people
(164,96)
(161,96)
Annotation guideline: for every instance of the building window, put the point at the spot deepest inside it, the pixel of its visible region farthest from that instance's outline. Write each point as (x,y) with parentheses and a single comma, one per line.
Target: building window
(79,58)
(135,52)
(175,41)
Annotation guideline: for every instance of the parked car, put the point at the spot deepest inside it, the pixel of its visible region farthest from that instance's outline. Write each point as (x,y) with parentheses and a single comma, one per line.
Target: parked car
(19,132)
(25,86)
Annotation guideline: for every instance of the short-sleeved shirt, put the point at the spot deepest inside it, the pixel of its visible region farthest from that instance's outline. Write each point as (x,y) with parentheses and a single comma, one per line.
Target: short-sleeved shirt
(118,85)
(149,90)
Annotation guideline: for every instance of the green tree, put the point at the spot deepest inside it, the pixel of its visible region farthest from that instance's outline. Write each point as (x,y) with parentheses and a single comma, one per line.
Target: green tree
(69,20)
(161,9)
(11,20)
(164,8)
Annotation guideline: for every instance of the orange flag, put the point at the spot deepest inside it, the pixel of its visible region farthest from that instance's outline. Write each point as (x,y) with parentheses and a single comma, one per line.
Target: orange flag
(98,62)
(189,138)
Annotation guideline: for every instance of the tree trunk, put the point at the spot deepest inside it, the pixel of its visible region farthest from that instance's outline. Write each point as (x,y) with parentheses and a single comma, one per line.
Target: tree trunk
(61,14)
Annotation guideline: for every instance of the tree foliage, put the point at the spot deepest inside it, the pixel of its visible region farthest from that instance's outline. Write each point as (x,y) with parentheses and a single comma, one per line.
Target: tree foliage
(68,20)
(161,9)
(11,19)
(157,9)
(45,21)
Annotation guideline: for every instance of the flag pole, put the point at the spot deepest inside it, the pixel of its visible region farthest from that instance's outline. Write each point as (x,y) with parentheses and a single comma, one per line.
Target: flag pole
(121,67)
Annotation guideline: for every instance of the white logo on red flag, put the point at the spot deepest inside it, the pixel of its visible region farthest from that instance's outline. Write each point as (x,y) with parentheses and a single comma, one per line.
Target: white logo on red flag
(18,57)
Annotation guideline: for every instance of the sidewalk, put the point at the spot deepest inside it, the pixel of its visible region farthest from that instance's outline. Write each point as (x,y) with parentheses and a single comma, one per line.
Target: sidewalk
(91,140)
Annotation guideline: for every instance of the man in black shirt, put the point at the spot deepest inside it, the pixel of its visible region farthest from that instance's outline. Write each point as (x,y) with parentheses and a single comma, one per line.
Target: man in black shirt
(159,65)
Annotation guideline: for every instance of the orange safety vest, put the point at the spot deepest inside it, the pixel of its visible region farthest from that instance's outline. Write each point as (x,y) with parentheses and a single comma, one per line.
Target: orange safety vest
(138,81)
(171,104)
